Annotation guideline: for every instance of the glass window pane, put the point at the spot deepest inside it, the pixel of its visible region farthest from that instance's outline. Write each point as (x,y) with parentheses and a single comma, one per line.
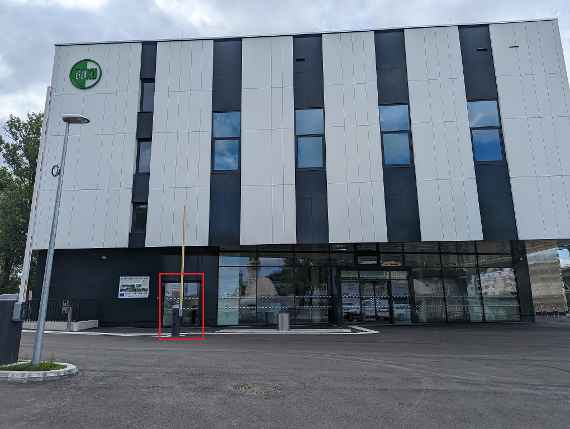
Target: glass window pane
(394,118)
(421,247)
(502,247)
(226,155)
(311,259)
(275,292)
(391,260)
(236,295)
(396,149)
(499,289)
(422,259)
(463,295)
(367,260)
(487,145)
(139,217)
(428,290)
(144,157)
(226,124)
(237,260)
(309,121)
(500,261)
(309,152)
(312,301)
(483,114)
(147,104)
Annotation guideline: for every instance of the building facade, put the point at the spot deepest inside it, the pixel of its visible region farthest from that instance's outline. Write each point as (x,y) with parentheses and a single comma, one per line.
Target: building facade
(394,176)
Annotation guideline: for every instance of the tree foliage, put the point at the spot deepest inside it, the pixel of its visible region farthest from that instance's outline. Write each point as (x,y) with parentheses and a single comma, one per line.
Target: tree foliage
(19,150)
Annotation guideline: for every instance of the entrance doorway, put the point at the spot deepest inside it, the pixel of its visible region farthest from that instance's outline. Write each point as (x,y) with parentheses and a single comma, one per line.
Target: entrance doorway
(379,296)
(190,303)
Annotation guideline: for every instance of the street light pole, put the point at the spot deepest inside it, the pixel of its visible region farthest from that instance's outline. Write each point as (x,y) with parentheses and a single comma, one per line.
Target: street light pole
(56,171)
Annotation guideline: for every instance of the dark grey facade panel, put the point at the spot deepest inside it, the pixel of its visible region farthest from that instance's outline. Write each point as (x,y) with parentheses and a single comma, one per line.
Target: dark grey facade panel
(493,181)
(495,201)
(144,125)
(478,67)
(308,71)
(225,208)
(226,84)
(144,131)
(312,225)
(311,206)
(391,69)
(140,187)
(137,239)
(148,60)
(225,186)
(400,192)
(402,212)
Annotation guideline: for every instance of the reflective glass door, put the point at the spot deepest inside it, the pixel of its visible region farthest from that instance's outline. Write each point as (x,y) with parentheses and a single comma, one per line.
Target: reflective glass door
(400,288)
(383,312)
(190,303)
(381,296)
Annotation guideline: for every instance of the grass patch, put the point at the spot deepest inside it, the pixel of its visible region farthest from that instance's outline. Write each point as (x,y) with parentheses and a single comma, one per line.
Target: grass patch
(27,366)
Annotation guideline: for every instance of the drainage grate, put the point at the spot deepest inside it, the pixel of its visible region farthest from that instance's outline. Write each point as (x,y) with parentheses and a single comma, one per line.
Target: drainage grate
(256,388)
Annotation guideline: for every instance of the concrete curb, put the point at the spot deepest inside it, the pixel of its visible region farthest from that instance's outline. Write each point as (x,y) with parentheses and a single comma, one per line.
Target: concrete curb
(25,376)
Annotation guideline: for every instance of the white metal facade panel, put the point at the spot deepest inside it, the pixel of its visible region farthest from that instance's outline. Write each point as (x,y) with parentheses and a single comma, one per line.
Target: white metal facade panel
(95,209)
(181,142)
(355,188)
(268,214)
(445,174)
(534,101)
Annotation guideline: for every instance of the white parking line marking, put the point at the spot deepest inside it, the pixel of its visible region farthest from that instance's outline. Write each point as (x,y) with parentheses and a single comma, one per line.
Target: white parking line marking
(332,331)
(364,330)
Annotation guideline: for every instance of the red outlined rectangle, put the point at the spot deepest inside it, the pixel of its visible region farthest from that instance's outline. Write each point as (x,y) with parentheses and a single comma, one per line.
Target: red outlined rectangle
(160,337)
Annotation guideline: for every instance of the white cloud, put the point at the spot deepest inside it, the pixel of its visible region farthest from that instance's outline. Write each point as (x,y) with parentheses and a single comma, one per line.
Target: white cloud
(30,99)
(200,14)
(67,4)
(5,69)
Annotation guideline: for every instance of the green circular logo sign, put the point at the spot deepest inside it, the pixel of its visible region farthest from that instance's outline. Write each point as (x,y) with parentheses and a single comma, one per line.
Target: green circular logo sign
(85,74)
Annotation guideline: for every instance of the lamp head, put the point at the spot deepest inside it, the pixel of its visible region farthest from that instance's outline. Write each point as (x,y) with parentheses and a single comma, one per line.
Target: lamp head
(74,119)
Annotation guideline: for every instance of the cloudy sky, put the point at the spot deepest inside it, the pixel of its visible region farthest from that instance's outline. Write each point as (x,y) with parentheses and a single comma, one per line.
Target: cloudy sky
(31,27)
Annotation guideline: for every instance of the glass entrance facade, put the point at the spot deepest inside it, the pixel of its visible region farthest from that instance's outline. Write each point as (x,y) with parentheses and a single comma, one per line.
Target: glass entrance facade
(398,283)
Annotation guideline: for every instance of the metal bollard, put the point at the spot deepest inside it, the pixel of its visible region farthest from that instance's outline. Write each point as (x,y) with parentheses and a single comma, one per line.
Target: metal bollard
(283,321)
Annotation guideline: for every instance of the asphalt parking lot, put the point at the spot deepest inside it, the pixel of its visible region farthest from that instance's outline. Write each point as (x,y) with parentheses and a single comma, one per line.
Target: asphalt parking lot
(487,376)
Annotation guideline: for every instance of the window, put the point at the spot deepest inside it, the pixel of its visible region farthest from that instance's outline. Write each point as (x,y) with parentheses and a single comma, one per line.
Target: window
(226,155)
(394,118)
(309,152)
(226,131)
(147,97)
(139,217)
(143,157)
(309,130)
(396,149)
(309,121)
(485,130)
(483,114)
(395,128)
(487,145)
(226,124)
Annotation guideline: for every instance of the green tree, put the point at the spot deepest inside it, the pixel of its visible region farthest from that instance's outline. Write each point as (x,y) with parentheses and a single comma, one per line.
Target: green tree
(19,151)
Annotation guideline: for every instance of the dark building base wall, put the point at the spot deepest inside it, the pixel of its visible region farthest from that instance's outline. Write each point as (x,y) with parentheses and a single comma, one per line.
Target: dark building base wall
(90,280)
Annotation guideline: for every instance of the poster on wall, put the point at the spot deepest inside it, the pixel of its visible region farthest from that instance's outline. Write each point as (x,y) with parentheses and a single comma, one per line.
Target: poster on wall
(133,287)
